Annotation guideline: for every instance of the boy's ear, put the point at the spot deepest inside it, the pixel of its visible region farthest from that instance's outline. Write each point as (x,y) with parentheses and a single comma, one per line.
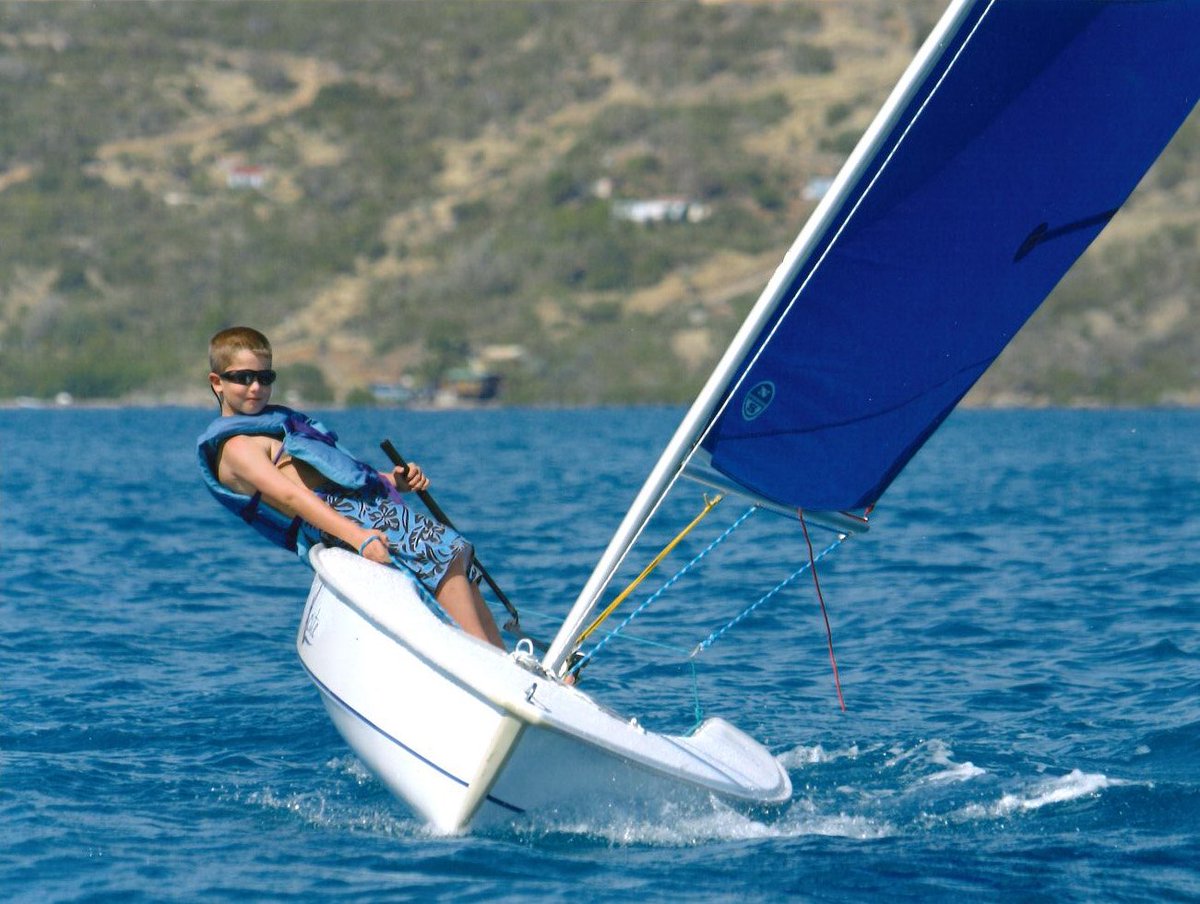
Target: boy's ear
(214,384)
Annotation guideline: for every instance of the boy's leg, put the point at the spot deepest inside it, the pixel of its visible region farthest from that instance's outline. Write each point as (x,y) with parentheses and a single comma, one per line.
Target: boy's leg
(460,597)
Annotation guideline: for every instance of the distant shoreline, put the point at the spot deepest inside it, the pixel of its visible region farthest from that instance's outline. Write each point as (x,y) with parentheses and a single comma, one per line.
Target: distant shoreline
(1009,403)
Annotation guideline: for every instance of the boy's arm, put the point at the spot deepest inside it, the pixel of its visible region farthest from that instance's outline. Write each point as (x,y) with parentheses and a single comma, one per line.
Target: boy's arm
(246,461)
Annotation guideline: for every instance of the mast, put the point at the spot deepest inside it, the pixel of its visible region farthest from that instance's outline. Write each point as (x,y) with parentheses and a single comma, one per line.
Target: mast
(720,386)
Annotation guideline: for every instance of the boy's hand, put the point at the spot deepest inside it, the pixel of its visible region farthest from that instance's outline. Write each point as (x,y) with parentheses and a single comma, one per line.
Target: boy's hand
(374,546)
(410,478)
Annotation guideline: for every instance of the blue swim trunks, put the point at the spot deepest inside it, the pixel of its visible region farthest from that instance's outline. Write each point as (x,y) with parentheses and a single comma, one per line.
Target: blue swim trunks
(424,546)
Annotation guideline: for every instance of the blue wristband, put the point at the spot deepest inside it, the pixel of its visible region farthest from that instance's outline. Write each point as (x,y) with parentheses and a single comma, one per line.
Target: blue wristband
(365,543)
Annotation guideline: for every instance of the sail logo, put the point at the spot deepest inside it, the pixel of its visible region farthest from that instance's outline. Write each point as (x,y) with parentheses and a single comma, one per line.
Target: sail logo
(757,400)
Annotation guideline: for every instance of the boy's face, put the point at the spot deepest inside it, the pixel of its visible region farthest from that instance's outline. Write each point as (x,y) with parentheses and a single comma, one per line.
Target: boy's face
(237,398)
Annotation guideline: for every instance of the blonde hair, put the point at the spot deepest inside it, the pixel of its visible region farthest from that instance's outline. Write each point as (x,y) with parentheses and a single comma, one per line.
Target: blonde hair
(227,343)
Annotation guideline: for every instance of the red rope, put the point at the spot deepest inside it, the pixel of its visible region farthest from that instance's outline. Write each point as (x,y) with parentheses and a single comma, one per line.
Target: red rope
(812,563)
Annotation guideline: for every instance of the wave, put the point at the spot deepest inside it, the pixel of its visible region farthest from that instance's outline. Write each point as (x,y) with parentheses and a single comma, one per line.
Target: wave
(1062,789)
(803,755)
(676,826)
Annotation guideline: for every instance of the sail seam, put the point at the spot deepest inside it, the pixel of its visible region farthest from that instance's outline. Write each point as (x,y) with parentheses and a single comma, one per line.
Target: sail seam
(973,366)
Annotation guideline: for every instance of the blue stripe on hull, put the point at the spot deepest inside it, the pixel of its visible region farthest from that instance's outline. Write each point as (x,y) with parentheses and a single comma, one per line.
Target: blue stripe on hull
(428,762)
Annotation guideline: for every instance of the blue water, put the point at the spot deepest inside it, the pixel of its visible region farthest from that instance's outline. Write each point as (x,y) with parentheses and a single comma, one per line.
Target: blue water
(1018,640)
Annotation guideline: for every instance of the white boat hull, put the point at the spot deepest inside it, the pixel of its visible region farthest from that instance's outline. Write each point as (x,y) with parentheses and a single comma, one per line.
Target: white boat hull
(467,735)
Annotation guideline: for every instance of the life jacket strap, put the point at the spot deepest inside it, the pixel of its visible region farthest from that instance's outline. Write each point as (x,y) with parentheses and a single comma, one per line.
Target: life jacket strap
(251,508)
(293,533)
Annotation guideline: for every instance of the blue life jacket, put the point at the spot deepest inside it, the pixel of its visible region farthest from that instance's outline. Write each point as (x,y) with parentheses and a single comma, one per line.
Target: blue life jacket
(303,439)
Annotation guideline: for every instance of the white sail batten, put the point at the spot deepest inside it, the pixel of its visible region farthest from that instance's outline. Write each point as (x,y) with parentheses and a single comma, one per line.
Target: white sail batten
(720,387)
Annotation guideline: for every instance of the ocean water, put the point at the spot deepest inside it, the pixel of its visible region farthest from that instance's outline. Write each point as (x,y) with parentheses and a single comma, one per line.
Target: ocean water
(1018,639)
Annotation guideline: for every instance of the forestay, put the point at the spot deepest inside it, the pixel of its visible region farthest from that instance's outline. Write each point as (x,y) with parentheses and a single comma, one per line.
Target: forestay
(1018,131)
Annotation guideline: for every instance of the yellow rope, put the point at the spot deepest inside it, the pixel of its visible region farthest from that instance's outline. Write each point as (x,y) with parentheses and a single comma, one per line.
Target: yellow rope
(709,505)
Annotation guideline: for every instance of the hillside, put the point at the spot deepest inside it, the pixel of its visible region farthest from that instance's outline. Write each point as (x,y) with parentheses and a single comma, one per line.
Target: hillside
(395,190)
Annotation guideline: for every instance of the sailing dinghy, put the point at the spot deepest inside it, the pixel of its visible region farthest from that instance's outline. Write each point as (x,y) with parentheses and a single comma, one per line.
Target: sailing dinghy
(1013,138)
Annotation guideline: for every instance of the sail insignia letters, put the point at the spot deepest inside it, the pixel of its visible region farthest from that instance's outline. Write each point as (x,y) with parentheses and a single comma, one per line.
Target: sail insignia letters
(757,400)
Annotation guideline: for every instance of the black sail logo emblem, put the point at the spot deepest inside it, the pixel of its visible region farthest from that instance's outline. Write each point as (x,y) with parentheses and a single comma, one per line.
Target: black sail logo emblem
(757,400)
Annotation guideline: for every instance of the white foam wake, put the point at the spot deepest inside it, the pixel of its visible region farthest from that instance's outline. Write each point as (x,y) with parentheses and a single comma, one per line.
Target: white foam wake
(1072,786)
(940,755)
(690,826)
(799,757)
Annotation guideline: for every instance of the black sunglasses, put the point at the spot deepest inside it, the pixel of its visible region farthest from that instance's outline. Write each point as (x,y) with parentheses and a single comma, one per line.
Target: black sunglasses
(246,377)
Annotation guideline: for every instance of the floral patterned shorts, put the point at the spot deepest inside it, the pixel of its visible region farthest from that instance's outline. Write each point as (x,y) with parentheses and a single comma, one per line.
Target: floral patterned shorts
(424,546)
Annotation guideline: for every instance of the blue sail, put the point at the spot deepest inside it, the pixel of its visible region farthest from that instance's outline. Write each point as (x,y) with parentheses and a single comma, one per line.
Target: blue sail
(1027,127)
(1013,138)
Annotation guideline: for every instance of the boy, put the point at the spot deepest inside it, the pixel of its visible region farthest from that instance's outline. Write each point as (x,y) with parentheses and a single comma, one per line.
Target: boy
(286,476)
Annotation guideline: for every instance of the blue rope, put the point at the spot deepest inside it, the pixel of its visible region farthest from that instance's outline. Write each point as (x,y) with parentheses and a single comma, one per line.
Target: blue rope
(697,709)
(712,638)
(663,589)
